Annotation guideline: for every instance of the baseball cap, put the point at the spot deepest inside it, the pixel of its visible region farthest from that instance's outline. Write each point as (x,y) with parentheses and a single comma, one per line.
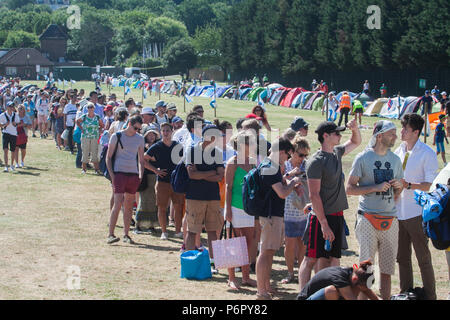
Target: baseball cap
(299,123)
(148,110)
(10,104)
(208,127)
(171,106)
(177,119)
(427,91)
(442,116)
(109,107)
(160,103)
(443,93)
(328,127)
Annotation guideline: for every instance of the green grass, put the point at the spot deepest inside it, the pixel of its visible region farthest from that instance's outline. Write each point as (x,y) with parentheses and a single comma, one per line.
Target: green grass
(51,217)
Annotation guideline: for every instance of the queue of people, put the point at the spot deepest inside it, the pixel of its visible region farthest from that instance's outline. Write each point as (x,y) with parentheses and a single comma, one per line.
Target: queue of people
(306,195)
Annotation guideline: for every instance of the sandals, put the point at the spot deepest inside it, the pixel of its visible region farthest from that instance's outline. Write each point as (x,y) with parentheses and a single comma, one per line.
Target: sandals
(289,279)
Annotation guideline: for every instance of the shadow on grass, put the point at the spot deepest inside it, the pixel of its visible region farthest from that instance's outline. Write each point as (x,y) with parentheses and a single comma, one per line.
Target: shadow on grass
(28,173)
(33,168)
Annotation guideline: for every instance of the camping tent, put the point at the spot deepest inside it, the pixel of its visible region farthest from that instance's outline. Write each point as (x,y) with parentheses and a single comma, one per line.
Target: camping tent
(391,109)
(304,98)
(221,90)
(253,95)
(409,106)
(318,103)
(309,104)
(289,98)
(276,95)
(243,93)
(374,108)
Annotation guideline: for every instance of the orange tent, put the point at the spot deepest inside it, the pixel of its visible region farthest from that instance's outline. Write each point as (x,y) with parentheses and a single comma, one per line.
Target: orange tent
(433,119)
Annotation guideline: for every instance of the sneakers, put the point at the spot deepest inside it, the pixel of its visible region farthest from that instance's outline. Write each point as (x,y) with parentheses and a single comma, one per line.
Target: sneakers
(179,235)
(213,269)
(164,236)
(112,239)
(6,169)
(17,166)
(128,240)
(22,164)
(83,171)
(171,223)
(11,168)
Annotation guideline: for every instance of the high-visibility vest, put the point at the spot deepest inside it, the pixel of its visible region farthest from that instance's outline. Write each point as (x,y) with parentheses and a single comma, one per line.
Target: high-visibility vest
(345,102)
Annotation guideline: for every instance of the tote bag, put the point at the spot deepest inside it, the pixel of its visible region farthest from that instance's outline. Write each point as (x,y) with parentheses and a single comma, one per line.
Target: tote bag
(195,265)
(230,253)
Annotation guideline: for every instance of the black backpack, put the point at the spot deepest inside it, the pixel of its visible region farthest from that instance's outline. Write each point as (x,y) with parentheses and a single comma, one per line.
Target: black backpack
(102,164)
(7,119)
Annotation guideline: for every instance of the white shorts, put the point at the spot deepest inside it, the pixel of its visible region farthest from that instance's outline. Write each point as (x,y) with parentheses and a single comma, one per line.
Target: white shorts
(372,240)
(240,219)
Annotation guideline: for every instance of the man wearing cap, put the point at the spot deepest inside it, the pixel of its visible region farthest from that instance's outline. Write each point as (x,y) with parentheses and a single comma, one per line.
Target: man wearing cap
(8,125)
(376,177)
(427,102)
(420,167)
(327,194)
(98,110)
(148,117)
(171,111)
(70,113)
(161,115)
(205,168)
(300,126)
(177,123)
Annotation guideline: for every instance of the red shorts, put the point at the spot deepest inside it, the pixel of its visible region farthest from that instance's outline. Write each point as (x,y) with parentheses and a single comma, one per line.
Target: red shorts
(126,183)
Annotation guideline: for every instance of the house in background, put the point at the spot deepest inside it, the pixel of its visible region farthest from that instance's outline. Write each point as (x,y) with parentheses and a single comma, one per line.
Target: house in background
(22,63)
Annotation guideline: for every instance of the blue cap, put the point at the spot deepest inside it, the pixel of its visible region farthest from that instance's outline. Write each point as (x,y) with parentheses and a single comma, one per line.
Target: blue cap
(160,103)
(427,91)
(208,127)
(10,103)
(177,119)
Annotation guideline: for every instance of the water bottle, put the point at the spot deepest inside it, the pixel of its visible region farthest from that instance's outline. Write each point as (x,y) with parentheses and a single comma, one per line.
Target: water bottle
(328,245)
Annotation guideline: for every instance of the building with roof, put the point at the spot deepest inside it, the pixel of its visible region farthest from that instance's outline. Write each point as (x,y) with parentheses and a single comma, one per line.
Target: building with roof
(23,62)
(54,4)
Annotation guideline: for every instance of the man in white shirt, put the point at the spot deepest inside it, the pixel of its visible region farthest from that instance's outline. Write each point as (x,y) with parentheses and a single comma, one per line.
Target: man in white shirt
(42,106)
(70,113)
(9,129)
(161,112)
(420,167)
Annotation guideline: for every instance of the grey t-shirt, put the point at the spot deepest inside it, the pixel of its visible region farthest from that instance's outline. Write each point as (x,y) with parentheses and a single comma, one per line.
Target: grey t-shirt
(126,158)
(328,168)
(372,169)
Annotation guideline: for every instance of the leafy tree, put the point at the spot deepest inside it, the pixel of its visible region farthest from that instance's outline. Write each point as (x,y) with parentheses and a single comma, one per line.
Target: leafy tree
(207,43)
(21,39)
(180,56)
(16,4)
(195,13)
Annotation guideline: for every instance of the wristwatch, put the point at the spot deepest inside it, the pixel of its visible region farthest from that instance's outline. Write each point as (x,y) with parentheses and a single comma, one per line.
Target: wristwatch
(409,186)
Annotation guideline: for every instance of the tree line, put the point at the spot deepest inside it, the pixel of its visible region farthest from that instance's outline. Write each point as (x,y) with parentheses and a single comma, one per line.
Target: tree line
(291,36)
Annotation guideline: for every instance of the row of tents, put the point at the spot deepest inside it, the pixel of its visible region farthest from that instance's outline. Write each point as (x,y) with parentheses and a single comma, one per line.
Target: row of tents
(276,94)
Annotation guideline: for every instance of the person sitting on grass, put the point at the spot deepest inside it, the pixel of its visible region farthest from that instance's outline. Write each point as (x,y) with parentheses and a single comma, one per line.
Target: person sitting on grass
(439,136)
(338,283)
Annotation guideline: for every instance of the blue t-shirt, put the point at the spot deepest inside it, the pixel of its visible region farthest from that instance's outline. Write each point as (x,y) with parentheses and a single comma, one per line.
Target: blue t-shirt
(163,155)
(440,133)
(29,108)
(202,189)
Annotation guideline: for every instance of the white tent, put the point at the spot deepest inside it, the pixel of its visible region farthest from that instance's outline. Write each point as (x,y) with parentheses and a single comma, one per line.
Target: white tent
(375,107)
(391,109)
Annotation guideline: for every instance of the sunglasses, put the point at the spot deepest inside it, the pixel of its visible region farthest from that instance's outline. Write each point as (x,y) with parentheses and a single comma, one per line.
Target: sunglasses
(136,129)
(90,107)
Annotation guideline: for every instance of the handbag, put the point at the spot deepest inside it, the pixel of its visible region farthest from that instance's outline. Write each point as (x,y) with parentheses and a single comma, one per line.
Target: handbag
(65,134)
(231,252)
(195,265)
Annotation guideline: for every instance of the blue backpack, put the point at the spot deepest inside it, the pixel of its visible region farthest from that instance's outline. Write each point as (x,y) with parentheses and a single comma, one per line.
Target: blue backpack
(179,178)
(436,215)
(254,201)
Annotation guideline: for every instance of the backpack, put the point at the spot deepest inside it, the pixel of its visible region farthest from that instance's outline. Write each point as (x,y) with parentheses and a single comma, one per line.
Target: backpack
(436,215)
(411,294)
(7,119)
(253,200)
(179,178)
(102,164)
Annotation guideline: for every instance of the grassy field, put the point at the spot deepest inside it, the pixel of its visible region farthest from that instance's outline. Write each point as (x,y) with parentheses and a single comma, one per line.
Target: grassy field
(52,218)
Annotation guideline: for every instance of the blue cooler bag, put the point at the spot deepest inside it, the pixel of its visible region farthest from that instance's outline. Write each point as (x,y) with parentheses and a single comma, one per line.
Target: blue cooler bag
(195,265)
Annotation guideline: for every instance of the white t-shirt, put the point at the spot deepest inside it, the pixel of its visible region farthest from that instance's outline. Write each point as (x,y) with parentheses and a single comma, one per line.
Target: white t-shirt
(181,135)
(42,107)
(10,129)
(70,110)
(161,120)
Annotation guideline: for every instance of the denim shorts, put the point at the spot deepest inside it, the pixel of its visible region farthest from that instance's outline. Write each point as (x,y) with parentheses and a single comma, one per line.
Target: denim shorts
(294,229)
(318,295)
(440,147)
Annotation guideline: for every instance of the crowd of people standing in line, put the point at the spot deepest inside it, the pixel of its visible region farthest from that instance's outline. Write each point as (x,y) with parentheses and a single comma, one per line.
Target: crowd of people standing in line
(306,194)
